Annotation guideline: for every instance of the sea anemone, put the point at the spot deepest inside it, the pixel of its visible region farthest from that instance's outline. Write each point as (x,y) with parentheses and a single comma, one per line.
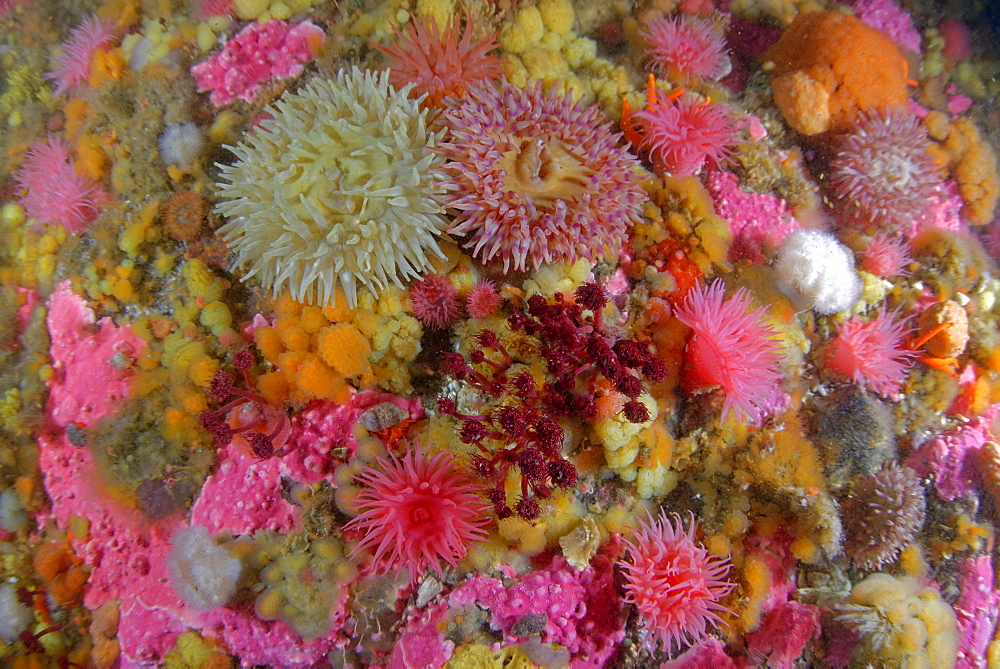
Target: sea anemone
(882,515)
(439,64)
(483,300)
(886,256)
(536,177)
(435,301)
(883,174)
(817,272)
(55,192)
(416,512)
(872,353)
(685,46)
(731,347)
(684,136)
(673,581)
(181,144)
(209,8)
(183,215)
(336,189)
(72,65)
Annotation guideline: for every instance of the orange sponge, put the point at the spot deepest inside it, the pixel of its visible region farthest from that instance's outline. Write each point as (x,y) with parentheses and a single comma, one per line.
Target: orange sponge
(343,347)
(829,67)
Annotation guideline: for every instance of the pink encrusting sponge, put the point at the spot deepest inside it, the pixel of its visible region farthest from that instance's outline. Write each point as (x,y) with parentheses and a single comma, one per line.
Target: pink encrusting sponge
(255,55)
(731,347)
(417,511)
(673,581)
(72,64)
(53,192)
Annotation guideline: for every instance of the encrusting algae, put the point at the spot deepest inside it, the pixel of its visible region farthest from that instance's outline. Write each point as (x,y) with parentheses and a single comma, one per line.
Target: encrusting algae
(499,334)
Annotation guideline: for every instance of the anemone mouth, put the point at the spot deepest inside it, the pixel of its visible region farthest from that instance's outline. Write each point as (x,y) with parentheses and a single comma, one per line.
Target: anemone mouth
(545,172)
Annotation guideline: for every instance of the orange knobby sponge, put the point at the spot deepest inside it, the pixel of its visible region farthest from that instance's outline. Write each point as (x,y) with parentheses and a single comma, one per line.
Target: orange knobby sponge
(343,347)
(828,67)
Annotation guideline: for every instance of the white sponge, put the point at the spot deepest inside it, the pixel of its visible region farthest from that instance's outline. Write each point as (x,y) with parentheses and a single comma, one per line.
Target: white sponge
(204,573)
(817,271)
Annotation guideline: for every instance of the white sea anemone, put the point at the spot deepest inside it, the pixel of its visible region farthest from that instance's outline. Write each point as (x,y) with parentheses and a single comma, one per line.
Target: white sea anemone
(335,190)
(817,272)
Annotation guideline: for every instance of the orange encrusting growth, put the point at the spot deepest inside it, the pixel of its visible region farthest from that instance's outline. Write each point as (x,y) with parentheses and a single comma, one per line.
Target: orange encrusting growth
(311,365)
(829,67)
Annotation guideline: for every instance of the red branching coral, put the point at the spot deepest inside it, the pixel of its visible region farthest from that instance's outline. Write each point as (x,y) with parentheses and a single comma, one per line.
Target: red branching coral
(576,349)
(223,390)
(673,581)
(435,301)
(731,347)
(871,353)
(536,178)
(416,512)
(439,64)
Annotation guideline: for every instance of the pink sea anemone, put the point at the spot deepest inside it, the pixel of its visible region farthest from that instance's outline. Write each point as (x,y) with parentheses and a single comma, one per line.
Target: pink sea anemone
(72,65)
(536,177)
(53,191)
(209,8)
(686,135)
(416,512)
(732,348)
(886,256)
(435,301)
(439,64)
(483,300)
(686,47)
(883,174)
(673,581)
(871,353)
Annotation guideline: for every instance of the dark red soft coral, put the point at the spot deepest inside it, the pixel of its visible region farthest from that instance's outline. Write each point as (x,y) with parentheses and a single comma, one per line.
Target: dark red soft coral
(440,64)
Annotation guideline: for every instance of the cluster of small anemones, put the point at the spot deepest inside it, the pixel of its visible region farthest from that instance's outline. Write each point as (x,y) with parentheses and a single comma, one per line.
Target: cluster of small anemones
(575,348)
(223,390)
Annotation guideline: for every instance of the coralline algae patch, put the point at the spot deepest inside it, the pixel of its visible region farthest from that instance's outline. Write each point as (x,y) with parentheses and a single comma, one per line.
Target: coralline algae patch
(536,333)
